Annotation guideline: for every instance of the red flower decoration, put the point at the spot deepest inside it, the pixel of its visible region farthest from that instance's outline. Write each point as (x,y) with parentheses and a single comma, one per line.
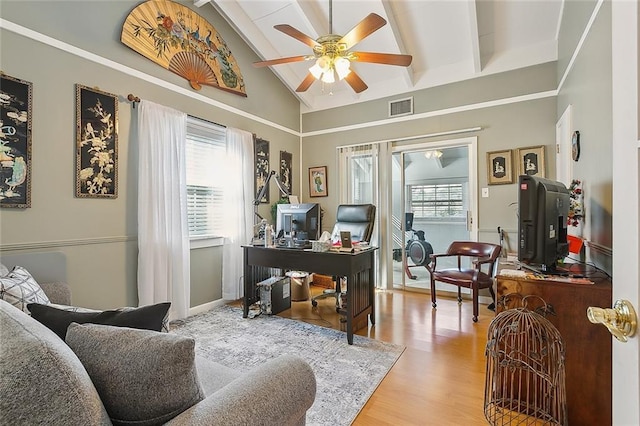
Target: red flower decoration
(167,22)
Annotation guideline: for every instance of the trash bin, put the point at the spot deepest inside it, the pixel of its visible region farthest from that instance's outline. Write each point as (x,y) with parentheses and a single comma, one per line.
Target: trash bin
(299,285)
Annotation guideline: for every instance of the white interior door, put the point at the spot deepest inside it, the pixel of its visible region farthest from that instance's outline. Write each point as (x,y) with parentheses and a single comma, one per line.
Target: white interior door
(626,222)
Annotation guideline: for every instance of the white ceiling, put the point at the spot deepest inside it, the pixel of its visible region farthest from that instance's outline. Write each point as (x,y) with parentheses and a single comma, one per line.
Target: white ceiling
(450,40)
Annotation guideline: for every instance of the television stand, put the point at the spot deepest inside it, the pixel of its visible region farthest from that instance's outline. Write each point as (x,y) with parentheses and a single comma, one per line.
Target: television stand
(556,271)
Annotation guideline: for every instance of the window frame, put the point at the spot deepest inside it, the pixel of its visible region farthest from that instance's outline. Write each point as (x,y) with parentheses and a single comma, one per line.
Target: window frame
(202,131)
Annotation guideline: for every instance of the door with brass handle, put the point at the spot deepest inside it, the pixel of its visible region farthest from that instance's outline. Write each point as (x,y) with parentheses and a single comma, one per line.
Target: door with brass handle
(621,320)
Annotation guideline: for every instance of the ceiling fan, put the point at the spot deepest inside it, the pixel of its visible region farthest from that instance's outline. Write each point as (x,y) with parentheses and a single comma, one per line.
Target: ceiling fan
(332,55)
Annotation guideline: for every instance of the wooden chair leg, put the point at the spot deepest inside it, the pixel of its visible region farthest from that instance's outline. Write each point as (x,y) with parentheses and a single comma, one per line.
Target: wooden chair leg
(459,295)
(475,303)
(433,292)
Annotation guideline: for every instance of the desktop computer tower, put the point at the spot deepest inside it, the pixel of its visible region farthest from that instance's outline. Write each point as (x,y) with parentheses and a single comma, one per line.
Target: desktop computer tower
(275,295)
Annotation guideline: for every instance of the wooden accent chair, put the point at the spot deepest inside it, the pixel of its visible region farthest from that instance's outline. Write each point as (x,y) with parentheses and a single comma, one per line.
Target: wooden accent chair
(359,219)
(473,278)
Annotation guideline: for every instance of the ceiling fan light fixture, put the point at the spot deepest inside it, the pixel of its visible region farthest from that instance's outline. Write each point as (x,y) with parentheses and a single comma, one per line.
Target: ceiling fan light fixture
(435,153)
(316,71)
(342,66)
(328,77)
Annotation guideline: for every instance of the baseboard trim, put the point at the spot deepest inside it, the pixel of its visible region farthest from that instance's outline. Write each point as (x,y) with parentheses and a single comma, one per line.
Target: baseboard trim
(206,306)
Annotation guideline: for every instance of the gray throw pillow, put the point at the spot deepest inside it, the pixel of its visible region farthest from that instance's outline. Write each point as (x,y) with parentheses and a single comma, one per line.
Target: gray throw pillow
(143,377)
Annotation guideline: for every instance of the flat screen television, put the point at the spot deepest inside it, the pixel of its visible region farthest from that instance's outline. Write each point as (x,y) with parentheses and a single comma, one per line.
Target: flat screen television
(543,207)
(300,222)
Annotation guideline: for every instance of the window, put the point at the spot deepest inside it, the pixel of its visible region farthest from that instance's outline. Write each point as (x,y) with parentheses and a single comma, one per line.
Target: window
(443,201)
(205,155)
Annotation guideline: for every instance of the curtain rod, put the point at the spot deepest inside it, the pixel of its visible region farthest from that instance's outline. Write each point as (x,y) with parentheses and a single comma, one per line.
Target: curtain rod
(134,100)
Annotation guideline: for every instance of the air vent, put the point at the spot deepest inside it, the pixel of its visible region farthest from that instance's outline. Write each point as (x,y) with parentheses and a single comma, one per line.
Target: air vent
(401,107)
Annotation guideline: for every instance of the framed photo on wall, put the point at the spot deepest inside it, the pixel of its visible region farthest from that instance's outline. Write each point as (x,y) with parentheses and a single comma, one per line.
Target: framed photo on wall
(286,174)
(262,167)
(531,161)
(96,143)
(499,167)
(15,142)
(318,181)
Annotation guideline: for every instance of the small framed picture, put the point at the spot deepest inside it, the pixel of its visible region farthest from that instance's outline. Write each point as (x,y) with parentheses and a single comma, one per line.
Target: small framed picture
(531,161)
(499,167)
(96,143)
(261,147)
(318,181)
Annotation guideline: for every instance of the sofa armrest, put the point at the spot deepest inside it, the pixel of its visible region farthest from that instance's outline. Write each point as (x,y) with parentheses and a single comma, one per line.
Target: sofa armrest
(57,292)
(278,392)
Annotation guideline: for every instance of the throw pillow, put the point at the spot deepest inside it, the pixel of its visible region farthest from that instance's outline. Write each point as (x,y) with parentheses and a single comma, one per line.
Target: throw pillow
(143,377)
(149,317)
(19,288)
(3,270)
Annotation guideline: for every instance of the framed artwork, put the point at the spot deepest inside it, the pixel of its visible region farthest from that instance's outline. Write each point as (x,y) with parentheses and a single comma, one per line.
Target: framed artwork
(178,39)
(531,161)
(15,142)
(285,170)
(499,167)
(96,143)
(262,167)
(318,181)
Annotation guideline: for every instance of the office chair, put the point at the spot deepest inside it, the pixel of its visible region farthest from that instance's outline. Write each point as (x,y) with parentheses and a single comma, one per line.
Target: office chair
(473,278)
(358,219)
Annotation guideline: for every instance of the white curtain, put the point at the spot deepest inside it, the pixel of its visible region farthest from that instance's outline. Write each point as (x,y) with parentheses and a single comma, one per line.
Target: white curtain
(163,233)
(364,177)
(238,198)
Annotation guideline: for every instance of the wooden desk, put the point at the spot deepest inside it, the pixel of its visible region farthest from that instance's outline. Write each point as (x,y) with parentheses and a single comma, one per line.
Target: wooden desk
(587,346)
(357,267)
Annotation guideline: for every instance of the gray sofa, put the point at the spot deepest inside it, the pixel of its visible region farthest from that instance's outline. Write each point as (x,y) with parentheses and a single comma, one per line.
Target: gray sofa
(42,381)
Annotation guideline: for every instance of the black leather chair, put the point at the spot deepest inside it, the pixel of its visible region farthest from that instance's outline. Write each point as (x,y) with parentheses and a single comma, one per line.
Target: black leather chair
(358,219)
(473,278)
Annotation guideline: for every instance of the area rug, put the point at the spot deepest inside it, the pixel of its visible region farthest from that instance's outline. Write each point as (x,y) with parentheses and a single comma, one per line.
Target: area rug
(346,375)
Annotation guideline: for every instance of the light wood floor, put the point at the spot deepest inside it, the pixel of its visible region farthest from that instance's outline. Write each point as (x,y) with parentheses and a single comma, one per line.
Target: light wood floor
(439,379)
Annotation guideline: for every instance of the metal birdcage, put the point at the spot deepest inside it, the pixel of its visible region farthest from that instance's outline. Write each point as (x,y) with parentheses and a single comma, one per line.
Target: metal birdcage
(525,376)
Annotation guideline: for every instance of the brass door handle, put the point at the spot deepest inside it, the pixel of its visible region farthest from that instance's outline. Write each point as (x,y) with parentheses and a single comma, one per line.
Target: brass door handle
(621,320)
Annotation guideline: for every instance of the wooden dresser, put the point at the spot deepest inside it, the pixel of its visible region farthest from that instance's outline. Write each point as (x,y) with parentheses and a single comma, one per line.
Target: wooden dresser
(587,345)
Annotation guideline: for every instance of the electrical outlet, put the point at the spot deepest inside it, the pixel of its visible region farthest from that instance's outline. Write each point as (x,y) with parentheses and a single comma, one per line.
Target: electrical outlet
(485,192)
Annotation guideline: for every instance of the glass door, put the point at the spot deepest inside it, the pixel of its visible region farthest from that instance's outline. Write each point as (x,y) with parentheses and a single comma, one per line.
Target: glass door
(433,204)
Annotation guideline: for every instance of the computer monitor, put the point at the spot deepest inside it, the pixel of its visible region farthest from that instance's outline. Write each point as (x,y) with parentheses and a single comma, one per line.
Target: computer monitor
(543,207)
(298,221)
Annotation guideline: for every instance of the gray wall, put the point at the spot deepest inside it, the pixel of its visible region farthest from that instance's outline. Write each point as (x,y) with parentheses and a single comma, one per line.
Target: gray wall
(588,89)
(519,124)
(99,236)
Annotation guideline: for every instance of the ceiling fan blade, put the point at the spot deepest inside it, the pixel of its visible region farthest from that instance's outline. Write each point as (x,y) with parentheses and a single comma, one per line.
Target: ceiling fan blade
(355,82)
(298,35)
(367,26)
(279,61)
(382,58)
(306,83)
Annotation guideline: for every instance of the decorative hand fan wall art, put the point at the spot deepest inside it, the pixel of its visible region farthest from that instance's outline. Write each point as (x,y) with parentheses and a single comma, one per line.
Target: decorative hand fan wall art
(332,54)
(178,39)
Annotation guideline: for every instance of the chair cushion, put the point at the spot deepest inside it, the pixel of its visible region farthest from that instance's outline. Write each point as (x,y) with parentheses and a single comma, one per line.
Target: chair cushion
(41,379)
(148,317)
(19,288)
(143,377)
(462,277)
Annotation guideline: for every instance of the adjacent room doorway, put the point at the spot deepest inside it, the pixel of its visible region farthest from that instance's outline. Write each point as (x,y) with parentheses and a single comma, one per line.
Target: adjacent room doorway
(434,202)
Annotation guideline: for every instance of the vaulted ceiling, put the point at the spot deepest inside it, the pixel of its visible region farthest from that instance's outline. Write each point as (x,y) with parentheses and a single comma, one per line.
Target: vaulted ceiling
(450,40)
